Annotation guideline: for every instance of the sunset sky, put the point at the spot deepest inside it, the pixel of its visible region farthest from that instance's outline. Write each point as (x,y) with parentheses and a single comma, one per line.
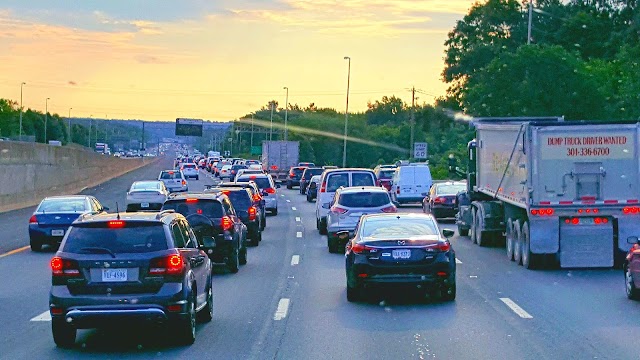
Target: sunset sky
(219,59)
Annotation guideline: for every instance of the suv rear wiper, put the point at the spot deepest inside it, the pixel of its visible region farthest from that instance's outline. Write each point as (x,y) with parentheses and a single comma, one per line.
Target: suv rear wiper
(99,250)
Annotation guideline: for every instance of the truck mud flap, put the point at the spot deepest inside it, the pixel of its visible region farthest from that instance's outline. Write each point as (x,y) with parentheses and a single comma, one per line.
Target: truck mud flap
(586,246)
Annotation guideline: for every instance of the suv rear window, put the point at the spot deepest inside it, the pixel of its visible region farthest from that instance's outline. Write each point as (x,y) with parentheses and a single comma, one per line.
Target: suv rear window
(297,171)
(206,207)
(240,199)
(134,237)
(364,199)
(190,166)
(262,182)
(168,175)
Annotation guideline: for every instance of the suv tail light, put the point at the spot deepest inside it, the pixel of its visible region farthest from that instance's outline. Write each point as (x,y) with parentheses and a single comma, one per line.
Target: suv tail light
(270,190)
(398,190)
(389,209)
(33,219)
(338,210)
(167,265)
(257,197)
(323,188)
(225,223)
(184,182)
(252,213)
(64,267)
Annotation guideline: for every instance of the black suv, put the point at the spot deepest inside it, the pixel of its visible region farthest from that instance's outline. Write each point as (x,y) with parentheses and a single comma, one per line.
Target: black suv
(112,268)
(307,174)
(256,195)
(249,213)
(212,216)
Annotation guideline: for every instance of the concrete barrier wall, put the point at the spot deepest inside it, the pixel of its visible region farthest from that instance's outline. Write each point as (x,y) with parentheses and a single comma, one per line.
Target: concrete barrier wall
(30,171)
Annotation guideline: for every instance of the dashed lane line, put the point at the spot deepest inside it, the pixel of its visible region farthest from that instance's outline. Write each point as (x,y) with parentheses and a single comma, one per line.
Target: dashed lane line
(299,234)
(295,260)
(45,316)
(516,309)
(282,310)
(288,200)
(298,219)
(293,208)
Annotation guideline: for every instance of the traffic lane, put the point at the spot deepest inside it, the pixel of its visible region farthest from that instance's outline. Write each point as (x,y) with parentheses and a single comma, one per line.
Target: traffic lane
(15,224)
(244,305)
(323,324)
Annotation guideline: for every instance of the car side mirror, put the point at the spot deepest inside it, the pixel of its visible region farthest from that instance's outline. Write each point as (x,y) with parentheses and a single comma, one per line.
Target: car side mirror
(448,233)
(633,240)
(208,242)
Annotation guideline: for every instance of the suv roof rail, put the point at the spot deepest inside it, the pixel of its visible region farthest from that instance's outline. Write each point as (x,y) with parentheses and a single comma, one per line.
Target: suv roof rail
(164,212)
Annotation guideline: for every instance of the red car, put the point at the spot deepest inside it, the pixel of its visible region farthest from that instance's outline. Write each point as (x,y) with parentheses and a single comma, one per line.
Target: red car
(631,269)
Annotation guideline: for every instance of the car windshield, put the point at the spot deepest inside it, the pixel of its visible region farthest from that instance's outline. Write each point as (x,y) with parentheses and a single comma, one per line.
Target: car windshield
(335,181)
(146,185)
(364,199)
(450,189)
(386,174)
(208,208)
(168,175)
(262,182)
(62,205)
(393,227)
(134,237)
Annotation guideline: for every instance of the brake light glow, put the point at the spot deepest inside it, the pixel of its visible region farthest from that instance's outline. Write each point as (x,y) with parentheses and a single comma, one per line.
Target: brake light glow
(174,308)
(323,188)
(253,212)
(542,212)
(270,190)
(398,191)
(116,224)
(225,223)
(184,182)
(444,246)
(257,197)
(631,210)
(389,209)
(359,248)
(191,200)
(338,210)
(167,265)
(439,200)
(63,267)
(171,173)
(33,219)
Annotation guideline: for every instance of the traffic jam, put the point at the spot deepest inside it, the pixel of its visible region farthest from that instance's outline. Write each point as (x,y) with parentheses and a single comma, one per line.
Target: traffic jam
(155,259)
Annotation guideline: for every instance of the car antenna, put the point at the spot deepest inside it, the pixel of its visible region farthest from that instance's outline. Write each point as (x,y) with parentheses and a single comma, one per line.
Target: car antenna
(117,211)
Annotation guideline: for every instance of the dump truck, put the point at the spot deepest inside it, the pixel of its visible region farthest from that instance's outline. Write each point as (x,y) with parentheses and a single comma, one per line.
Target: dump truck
(554,192)
(278,157)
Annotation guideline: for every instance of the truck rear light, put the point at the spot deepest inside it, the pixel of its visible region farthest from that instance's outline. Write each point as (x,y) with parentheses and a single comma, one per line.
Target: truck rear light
(225,223)
(630,210)
(252,212)
(542,212)
(64,267)
(33,219)
(389,209)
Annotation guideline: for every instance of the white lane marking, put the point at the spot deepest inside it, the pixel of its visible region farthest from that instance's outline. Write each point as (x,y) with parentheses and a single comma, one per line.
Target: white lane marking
(293,208)
(458,261)
(298,219)
(516,309)
(282,310)
(299,234)
(288,200)
(45,316)
(282,195)
(295,260)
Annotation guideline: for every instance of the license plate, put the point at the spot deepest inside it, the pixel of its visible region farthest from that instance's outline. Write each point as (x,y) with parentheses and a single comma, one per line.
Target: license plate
(144,205)
(114,275)
(356,214)
(57,232)
(401,254)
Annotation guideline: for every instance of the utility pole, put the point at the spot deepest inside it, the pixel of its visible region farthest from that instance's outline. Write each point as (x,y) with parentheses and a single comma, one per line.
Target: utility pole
(286,112)
(413,118)
(271,131)
(46,118)
(142,144)
(21,85)
(346,115)
(530,22)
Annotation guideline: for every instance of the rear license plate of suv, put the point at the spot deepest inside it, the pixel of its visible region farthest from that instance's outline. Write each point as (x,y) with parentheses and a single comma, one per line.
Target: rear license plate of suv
(144,205)
(57,232)
(114,275)
(401,254)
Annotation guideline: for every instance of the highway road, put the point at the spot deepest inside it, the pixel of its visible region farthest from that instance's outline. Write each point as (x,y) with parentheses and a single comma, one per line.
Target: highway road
(289,302)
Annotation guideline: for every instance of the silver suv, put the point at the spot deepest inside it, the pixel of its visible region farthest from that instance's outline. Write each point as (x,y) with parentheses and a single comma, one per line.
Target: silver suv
(346,208)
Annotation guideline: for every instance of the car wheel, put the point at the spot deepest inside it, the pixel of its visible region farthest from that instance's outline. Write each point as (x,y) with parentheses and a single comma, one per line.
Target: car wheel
(309,199)
(632,291)
(64,335)
(332,245)
(36,245)
(197,177)
(462,231)
(264,223)
(257,237)
(355,294)
(234,261)
(274,211)
(186,334)
(242,260)
(323,227)
(449,292)
(206,314)
(289,186)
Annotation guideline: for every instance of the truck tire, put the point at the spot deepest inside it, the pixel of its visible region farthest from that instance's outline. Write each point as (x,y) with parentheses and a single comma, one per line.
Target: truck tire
(482,237)
(517,249)
(473,229)
(510,243)
(632,292)
(529,259)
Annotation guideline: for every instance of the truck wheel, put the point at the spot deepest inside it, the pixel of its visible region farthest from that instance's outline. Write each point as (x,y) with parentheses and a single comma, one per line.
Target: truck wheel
(474,226)
(632,291)
(510,239)
(529,259)
(482,237)
(517,249)
(462,231)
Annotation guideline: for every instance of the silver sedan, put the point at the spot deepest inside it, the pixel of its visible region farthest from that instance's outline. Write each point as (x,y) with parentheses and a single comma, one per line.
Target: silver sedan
(146,195)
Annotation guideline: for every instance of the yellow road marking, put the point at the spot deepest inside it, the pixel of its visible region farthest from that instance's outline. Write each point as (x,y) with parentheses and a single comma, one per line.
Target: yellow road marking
(15,251)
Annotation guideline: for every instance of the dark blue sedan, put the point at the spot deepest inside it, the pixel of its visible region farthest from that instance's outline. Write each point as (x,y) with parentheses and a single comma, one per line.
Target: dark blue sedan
(54,215)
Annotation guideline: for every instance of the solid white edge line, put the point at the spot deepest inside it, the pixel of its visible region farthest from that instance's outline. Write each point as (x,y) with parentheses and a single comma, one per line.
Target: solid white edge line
(516,309)
(282,310)
(295,260)
(298,219)
(45,316)
(299,234)
(293,208)
(458,261)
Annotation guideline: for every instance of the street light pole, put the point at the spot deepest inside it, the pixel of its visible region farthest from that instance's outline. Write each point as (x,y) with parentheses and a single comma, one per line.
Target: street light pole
(21,85)
(530,22)
(286,112)
(90,125)
(271,131)
(46,118)
(69,124)
(251,143)
(346,115)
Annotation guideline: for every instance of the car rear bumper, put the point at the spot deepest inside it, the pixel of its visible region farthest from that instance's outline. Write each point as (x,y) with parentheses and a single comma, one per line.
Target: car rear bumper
(409,198)
(270,203)
(44,235)
(443,211)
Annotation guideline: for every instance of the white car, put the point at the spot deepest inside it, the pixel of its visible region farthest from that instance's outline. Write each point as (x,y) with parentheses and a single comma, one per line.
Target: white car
(146,195)
(225,172)
(267,187)
(190,170)
(248,171)
(174,180)
(411,183)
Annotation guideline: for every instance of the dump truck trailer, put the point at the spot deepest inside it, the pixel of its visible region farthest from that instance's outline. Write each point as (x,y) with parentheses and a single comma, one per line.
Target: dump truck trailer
(553,191)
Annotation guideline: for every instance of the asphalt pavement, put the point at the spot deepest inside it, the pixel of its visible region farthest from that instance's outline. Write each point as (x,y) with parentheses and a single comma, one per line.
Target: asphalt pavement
(289,302)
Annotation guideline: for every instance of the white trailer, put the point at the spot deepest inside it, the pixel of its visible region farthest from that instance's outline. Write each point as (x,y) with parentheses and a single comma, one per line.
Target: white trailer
(563,192)
(279,156)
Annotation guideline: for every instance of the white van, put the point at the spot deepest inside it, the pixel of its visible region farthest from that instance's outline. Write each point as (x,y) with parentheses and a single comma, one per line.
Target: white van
(411,183)
(330,181)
